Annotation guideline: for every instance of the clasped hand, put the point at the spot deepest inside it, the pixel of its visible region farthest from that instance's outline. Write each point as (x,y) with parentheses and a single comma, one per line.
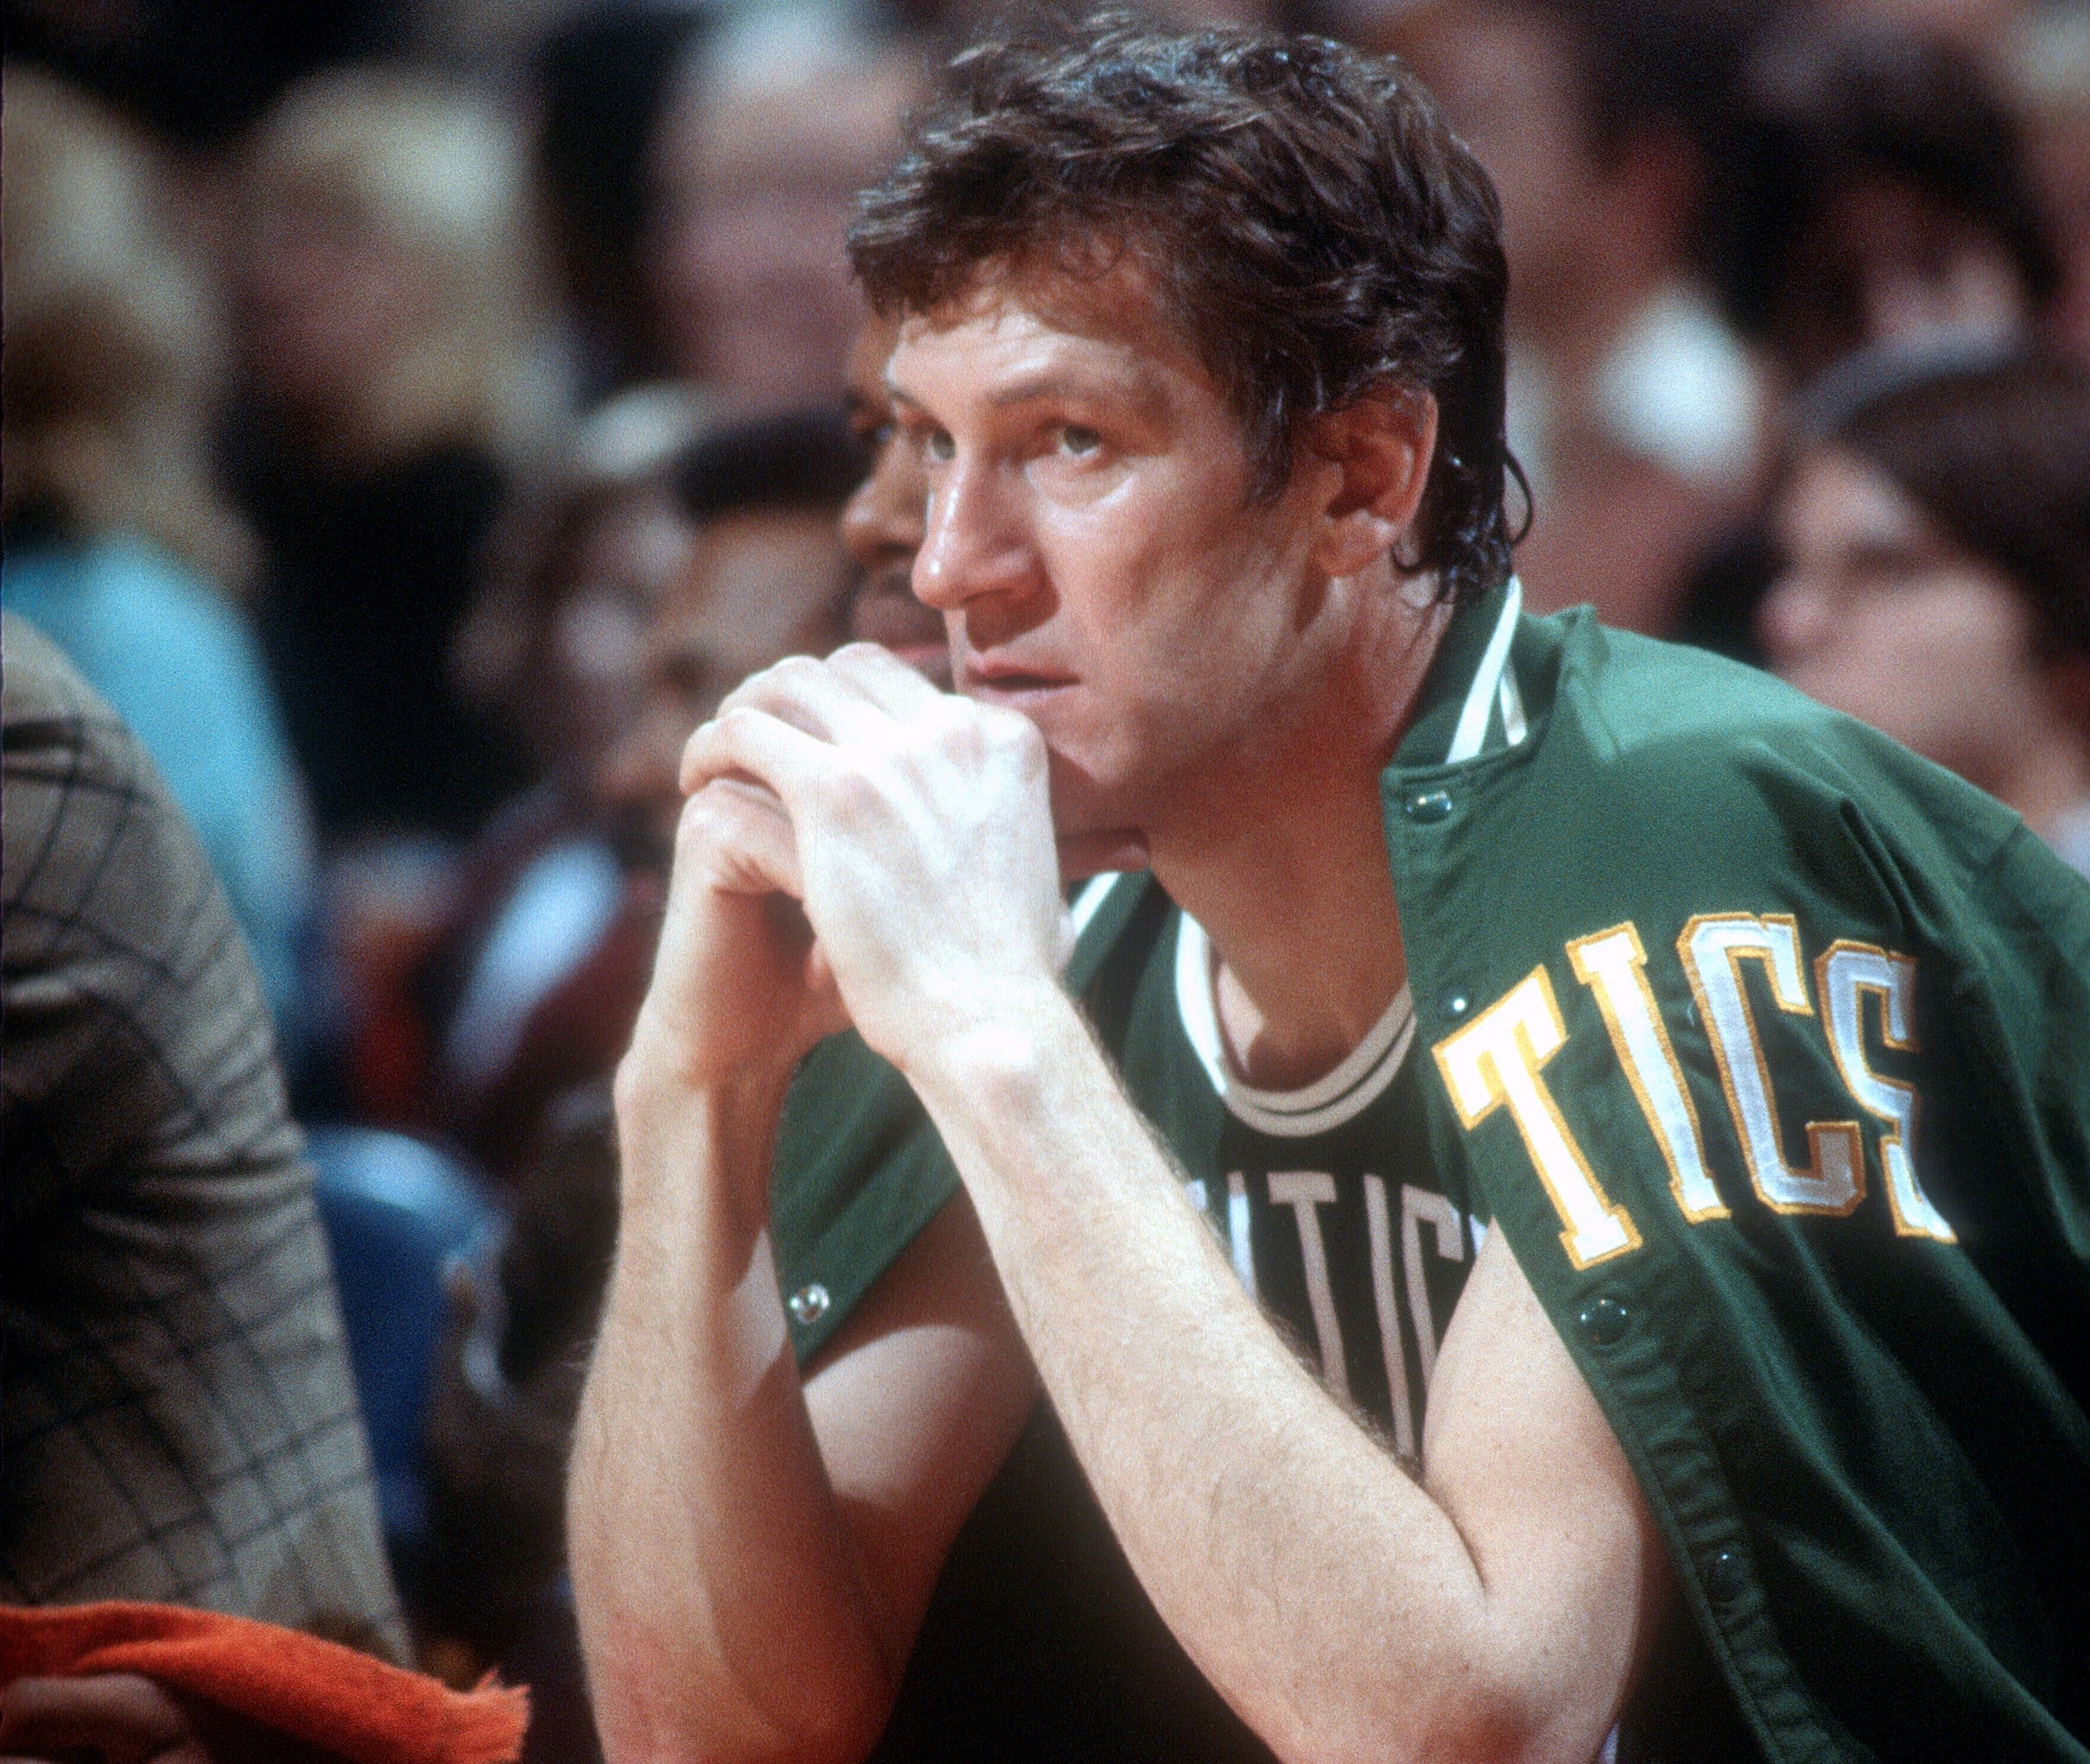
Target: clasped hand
(857,848)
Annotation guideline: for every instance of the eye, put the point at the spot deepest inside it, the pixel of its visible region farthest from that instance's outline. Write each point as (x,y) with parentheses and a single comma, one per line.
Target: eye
(940,446)
(1079,440)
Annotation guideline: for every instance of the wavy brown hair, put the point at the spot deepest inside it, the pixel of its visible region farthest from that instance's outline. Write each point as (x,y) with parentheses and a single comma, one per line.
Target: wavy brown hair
(1317,232)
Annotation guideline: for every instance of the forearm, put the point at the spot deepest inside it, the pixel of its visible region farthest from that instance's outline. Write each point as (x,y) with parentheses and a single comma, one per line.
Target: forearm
(721,1611)
(1327,1594)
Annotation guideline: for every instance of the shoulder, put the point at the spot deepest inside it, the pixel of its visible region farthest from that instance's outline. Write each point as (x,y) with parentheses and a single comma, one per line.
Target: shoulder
(1677,770)
(127,985)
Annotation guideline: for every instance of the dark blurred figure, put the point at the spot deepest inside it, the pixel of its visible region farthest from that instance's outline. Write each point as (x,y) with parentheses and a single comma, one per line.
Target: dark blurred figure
(546,918)
(603,79)
(177,1423)
(882,524)
(768,580)
(1632,407)
(2047,72)
(119,545)
(1976,26)
(200,71)
(1876,192)
(1935,527)
(775,124)
(393,353)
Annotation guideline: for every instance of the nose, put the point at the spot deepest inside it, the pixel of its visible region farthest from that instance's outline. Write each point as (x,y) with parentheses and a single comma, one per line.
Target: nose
(975,543)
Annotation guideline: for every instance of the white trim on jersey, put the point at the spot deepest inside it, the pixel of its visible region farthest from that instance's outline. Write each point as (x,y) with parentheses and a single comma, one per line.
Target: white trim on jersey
(1489,679)
(1093,893)
(1342,1095)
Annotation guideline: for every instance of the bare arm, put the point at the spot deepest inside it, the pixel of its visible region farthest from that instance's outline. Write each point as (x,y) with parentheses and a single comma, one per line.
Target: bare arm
(751,1555)
(1495,1609)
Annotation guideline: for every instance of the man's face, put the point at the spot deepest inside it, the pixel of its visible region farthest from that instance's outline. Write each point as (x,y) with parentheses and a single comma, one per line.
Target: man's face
(1090,539)
(881,522)
(761,585)
(1878,614)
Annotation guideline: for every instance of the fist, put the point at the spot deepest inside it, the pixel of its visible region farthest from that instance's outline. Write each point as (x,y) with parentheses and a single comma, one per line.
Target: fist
(917,836)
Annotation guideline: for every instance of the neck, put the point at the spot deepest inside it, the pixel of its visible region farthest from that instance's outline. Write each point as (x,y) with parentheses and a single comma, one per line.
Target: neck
(1283,862)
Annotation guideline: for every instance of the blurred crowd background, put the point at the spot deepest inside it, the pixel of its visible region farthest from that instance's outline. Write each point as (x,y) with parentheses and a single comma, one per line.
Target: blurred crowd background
(420,413)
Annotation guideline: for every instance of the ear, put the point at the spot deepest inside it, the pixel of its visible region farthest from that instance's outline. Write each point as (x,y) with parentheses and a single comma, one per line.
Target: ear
(1381,448)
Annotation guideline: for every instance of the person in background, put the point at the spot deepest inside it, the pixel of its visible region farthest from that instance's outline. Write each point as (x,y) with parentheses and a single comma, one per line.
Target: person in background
(178,1424)
(2046,70)
(1876,192)
(775,122)
(392,350)
(554,649)
(1975,26)
(882,521)
(1633,410)
(118,546)
(601,79)
(1934,523)
(767,579)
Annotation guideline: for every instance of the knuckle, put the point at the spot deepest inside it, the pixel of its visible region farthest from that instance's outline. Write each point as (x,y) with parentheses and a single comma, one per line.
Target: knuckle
(853,796)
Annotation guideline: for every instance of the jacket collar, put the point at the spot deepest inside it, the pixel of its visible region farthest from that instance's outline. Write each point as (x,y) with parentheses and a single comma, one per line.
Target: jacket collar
(1469,704)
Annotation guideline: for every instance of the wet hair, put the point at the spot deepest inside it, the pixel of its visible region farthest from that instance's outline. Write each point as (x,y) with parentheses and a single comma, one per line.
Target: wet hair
(1825,106)
(1312,228)
(1996,453)
(797,461)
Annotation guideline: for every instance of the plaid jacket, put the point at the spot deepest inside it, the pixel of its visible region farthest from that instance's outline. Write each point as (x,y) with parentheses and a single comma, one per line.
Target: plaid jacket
(177,1419)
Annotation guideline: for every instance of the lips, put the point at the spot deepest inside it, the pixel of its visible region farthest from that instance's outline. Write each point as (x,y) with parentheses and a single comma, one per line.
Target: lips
(1004,682)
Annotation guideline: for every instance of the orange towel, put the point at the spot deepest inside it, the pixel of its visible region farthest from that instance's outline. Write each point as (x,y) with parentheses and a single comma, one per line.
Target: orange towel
(345,1703)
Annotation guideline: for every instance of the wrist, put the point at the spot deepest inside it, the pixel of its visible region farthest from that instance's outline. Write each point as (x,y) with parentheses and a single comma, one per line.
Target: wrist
(985,1052)
(701,1149)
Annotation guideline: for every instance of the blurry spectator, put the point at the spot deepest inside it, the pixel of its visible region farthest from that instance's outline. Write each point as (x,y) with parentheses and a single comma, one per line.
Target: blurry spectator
(395,374)
(177,1424)
(1632,409)
(1973,26)
(555,647)
(774,124)
(574,573)
(200,71)
(767,581)
(2048,72)
(881,522)
(118,545)
(602,79)
(1936,526)
(1877,194)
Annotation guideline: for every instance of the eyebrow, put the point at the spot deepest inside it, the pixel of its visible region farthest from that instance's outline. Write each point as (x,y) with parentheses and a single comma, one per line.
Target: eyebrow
(1146,396)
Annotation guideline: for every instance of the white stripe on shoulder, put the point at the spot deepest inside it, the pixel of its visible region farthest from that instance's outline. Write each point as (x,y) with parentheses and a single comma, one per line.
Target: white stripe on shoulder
(1473,728)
